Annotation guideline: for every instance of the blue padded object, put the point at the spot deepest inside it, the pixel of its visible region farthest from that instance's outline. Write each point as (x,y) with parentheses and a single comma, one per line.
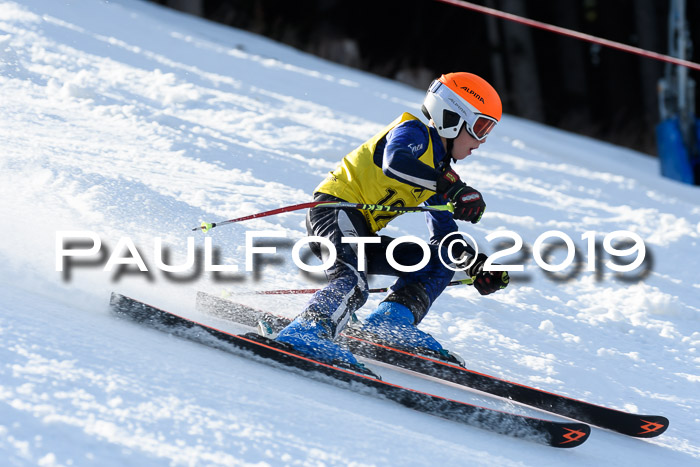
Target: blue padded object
(675,159)
(393,322)
(312,338)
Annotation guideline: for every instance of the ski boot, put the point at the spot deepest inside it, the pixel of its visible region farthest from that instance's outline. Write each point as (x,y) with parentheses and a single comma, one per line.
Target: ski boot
(394,324)
(313,338)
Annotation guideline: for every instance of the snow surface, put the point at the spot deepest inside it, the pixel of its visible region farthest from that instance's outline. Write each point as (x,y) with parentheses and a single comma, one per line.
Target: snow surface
(129,120)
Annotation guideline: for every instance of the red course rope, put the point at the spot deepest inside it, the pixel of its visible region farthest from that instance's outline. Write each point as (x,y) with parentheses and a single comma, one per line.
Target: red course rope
(574,34)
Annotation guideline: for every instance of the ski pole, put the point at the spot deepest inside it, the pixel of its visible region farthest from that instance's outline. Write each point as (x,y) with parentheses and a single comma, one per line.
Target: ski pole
(467,281)
(207,226)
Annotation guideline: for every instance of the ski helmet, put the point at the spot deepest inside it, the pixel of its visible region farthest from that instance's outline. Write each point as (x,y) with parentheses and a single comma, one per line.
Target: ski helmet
(462,98)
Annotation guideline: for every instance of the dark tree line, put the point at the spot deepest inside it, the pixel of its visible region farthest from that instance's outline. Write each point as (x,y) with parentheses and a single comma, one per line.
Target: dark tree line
(542,76)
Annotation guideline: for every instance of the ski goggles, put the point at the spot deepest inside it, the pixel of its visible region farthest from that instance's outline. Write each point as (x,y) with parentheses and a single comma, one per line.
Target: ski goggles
(477,124)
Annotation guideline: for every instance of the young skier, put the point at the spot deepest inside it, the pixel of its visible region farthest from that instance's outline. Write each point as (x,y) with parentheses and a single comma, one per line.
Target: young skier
(406,164)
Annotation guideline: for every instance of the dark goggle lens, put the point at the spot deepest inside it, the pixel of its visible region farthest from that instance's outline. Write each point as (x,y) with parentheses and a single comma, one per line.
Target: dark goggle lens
(482,127)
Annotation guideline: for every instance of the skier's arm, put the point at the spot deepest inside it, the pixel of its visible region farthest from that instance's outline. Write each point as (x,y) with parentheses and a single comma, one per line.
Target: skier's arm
(398,155)
(402,147)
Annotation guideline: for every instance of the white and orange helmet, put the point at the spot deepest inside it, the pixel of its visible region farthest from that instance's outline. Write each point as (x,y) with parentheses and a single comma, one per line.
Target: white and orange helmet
(462,98)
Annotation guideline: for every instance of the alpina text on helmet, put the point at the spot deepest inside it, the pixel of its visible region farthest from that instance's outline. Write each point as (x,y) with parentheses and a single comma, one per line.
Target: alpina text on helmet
(481,99)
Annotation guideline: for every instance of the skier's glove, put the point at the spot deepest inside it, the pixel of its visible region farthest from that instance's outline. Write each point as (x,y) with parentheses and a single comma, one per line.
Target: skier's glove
(468,203)
(487,282)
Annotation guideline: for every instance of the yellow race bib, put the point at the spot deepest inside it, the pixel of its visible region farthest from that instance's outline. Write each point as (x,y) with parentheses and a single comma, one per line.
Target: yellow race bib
(357,179)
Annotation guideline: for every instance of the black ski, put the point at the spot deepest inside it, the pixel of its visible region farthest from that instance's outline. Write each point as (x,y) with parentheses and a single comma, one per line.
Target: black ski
(640,426)
(556,434)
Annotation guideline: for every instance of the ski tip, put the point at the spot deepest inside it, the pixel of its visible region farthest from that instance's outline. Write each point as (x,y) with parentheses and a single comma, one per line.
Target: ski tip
(570,435)
(650,426)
